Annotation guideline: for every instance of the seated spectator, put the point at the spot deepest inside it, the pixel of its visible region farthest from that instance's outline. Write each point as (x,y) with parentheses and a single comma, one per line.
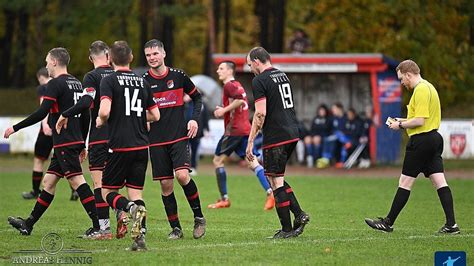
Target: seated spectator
(353,129)
(320,128)
(300,42)
(337,137)
(367,122)
(300,146)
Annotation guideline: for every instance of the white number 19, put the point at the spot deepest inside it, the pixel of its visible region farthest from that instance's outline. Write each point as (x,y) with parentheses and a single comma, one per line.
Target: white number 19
(285,93)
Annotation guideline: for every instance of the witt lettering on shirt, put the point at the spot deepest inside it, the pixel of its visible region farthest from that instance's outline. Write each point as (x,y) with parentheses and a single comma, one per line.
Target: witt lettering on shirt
(169,98)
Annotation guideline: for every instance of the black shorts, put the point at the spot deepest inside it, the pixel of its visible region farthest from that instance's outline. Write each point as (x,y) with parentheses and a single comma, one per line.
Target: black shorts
(238,144)
(125,169)
(65,161)
(275,158)
(98,155)
(423,154)
(43,146)
(166,158)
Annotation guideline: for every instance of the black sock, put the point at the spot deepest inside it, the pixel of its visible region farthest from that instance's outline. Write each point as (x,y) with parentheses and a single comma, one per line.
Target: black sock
(42,204)
(117,201)
(446,198)
(399,201)
(142,203)
(294,205)
(88,202)
(171,208)
(282,203)
(36,180)
(101,205)
(192,194)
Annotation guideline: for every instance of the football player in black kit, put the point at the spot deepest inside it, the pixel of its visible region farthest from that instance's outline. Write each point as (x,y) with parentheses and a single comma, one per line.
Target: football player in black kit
(62,92)
(126,103)
(169,150)
(275,115)
(98,148)
(44,141)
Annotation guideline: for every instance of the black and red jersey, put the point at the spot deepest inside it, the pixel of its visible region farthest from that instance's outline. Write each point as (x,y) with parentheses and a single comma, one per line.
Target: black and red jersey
(91,84)
(40,91)
(280,126)
(65,90)
(131,97)
(168,91)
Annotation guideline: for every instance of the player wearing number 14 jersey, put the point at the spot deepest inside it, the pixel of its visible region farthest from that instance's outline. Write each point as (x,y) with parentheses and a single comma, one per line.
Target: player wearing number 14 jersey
(127,104)
(275,114)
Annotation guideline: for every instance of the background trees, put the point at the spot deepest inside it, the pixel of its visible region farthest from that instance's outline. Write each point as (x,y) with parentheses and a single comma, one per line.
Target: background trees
(437,34)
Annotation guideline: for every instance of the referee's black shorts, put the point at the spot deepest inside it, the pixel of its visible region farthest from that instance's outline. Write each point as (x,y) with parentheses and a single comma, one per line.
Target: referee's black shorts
(423,154)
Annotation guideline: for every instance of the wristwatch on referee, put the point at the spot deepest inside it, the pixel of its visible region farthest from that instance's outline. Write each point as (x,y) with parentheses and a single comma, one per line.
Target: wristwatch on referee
(400,125)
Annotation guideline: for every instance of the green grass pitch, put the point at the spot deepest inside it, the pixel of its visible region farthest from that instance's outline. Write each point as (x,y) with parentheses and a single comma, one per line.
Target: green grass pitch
(337,233)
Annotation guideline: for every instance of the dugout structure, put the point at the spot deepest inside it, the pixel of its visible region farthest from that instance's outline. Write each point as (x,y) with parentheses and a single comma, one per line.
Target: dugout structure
(355,80)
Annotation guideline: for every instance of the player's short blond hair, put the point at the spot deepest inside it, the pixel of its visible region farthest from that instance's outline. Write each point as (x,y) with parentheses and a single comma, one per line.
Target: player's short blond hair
(408,66)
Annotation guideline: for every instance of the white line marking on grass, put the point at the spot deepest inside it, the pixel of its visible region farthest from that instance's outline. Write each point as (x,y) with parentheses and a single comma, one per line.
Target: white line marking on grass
(287,241)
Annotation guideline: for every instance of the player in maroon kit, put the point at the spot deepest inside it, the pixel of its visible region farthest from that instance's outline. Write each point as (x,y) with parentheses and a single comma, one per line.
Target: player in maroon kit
(275,115)
(169,149)
(237,127)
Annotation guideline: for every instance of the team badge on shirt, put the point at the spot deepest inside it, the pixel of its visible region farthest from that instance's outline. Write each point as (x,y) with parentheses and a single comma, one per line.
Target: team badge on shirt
(170,84)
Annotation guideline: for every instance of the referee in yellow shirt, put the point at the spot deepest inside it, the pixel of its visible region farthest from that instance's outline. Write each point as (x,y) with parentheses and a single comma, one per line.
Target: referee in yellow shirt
(423,150)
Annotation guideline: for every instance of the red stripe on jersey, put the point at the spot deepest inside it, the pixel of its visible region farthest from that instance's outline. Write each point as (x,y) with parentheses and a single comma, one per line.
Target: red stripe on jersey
(283,204)
(135,187)
(97,142)
(105,97)
(131,148)
(68,144)
(104,66)
(55,108)
(168,142)
(88,199)
(90,89)
(54,173)
(102,205)
(155,178)
(152,107)
(260,99)
(73,174)
(170,98)
(289,190)
(42,202)
(279,143)
(153,75)
(49,98)
(192,91)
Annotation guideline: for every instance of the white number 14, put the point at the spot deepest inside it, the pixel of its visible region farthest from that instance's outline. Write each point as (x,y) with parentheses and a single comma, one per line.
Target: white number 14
(134,104)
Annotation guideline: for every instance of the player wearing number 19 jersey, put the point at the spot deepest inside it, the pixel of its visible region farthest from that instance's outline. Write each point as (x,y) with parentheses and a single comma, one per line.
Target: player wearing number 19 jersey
(127,103)
(169,150)
(275,114)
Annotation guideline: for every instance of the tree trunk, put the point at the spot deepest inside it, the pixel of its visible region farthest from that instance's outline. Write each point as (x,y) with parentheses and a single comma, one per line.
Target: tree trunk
(262,11)
(143,34)
(227,5)
(210,44)
(6,44)
(168,38)
(22,48)
(278,32)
